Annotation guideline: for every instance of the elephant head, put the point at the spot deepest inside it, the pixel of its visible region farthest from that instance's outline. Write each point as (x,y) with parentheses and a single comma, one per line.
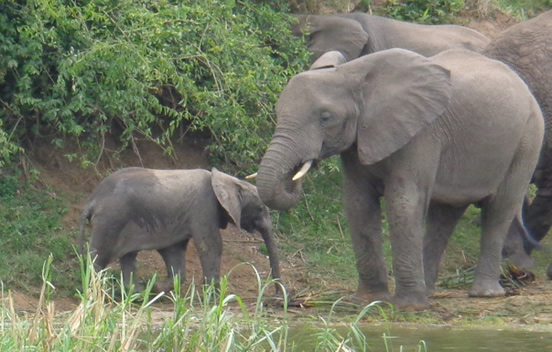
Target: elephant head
(241,203)
(244,208)
(375,104)
(331,33)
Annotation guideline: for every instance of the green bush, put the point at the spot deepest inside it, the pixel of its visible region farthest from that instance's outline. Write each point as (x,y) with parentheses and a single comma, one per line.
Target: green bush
(144,70)
(424,11)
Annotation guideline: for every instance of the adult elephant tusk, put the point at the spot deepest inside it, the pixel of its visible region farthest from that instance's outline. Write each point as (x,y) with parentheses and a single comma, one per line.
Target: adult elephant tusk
(306,166)
(251,177)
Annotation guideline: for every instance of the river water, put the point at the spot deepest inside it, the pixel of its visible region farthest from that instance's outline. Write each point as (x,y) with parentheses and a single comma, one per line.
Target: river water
(440,339)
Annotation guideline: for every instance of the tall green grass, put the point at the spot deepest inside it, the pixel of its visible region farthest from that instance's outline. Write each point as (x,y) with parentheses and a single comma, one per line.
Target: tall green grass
(200,319)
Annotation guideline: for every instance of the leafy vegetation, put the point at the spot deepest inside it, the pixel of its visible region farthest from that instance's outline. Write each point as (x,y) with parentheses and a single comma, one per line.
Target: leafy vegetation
(144,70)
(424,11)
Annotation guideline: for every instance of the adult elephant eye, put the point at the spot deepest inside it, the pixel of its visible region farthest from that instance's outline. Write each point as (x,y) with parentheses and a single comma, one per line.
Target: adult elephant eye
(325,118)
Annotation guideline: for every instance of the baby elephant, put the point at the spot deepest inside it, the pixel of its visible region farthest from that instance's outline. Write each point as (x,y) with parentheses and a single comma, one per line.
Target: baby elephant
(136,208)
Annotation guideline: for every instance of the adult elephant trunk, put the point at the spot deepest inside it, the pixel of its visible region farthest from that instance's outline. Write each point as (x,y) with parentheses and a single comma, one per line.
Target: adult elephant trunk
(279,167)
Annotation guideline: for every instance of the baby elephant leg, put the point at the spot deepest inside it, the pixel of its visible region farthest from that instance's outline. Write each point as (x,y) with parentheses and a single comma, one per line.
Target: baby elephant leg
(128,269)
(175,263)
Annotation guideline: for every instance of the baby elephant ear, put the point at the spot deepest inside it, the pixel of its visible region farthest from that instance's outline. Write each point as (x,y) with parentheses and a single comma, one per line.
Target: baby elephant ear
(227,190)
(329,60)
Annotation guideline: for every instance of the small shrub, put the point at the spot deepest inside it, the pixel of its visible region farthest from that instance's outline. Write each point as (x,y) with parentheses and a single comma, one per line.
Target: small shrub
(9,185)
(424,11)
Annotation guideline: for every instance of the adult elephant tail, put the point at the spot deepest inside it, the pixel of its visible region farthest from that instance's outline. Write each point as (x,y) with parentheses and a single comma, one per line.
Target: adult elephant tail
(519,244)
(85,217)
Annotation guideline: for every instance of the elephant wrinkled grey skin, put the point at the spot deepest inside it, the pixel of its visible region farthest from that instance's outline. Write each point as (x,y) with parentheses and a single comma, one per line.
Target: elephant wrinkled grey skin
(431,136)
(136,209)
(527,49)
(357,34)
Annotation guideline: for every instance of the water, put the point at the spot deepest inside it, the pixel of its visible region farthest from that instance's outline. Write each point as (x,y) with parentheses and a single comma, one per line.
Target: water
(443,339)
(439,339)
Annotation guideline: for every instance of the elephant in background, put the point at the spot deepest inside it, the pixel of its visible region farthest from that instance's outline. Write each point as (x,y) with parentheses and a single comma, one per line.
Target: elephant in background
(527,48)
(136,208)
(422,133)
(358,34)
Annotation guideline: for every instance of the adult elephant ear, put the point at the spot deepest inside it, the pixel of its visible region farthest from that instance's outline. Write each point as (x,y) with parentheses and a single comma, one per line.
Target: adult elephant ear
(402,92)
(227,190)
(329,60)
(328,32)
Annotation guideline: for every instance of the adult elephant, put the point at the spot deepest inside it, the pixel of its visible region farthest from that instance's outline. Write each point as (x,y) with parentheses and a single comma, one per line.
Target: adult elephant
(358,34)
(527,49)
(136,208)
(431,136)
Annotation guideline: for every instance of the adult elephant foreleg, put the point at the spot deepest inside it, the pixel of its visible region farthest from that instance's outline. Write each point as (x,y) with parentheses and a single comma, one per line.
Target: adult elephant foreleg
(440,223)
(362,208)
(406,204)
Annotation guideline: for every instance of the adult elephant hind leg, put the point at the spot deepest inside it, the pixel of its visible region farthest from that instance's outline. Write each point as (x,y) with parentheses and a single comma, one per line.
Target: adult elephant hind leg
(499,211)
(440,223)
(495,221)
(497,215)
